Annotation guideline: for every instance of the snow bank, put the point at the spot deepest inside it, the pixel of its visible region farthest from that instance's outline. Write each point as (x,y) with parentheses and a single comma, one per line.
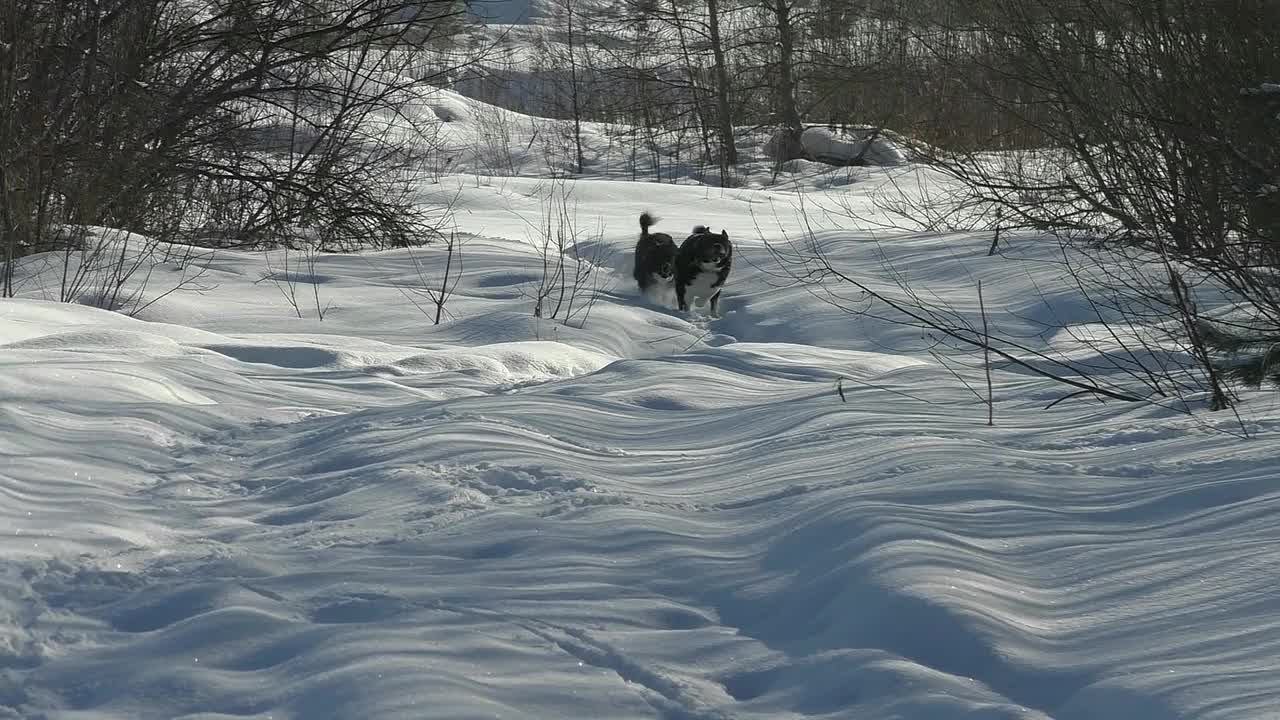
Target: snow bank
(794,511)
(839,148)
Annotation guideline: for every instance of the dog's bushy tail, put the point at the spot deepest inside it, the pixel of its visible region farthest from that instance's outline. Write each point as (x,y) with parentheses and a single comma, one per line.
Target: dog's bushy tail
(646,220)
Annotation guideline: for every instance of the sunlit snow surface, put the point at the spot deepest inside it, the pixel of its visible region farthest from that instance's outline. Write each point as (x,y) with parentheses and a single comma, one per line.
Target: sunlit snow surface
(221,510)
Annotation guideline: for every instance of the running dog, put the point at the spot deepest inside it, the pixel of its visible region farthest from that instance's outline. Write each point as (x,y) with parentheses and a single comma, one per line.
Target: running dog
(655,261)
(702,267)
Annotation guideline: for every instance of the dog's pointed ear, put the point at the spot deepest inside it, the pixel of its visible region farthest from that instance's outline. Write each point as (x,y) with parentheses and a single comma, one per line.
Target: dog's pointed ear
(724,234)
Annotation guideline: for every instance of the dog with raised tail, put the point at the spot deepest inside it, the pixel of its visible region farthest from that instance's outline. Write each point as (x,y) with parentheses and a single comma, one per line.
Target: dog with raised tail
(702,267)
(655,270)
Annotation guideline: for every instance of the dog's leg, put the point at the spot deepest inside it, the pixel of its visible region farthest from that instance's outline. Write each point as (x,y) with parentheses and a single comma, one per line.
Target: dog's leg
(715,305)
(684,306)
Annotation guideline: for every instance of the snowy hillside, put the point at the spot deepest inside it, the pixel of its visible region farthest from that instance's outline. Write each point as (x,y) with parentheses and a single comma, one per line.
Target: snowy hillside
(491,142)
(221,509)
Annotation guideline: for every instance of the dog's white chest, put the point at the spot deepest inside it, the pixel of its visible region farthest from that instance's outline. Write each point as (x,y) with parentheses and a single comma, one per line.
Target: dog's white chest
(661,291)
(702,285)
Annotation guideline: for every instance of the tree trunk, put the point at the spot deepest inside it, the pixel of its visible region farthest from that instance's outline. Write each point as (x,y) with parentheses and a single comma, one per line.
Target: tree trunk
(724,116)
(8,239)
(575,91)
(692,70)
(788,113)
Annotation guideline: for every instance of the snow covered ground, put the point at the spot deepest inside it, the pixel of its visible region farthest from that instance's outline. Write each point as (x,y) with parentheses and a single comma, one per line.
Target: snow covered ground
(219,509)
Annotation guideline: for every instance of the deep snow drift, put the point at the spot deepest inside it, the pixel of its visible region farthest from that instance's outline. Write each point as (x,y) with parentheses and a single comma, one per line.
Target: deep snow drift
(219,509)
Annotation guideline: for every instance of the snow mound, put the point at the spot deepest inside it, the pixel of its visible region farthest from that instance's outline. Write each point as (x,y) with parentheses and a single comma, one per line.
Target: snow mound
(868,147)
(509,363)
(449,107)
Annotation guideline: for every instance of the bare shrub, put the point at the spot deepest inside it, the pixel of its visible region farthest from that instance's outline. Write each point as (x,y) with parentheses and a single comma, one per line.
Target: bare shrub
(439,288)
(497,152)
(571,257)
(1135,349)
(247,122)
(295,268)
(1143,147)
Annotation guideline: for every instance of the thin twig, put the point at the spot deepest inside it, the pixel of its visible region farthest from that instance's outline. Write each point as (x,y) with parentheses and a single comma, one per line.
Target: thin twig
(986,356)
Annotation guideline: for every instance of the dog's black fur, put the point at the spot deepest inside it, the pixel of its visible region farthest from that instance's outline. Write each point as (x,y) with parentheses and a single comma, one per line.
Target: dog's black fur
(655,257)
(702,267)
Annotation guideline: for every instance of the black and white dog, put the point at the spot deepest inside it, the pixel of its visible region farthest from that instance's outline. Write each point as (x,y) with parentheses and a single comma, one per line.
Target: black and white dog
(655,270)
(702,266)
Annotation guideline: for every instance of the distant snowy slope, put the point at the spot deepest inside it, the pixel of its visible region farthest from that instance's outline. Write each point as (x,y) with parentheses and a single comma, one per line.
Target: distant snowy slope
(506,12)
(489,140)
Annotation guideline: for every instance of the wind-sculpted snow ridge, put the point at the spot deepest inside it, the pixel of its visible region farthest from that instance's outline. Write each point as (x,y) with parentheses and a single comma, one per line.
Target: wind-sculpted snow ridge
(790,512)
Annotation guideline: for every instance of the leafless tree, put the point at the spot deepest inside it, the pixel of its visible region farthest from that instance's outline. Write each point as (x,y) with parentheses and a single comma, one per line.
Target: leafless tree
(566,56)
(1151,149)
(127,115)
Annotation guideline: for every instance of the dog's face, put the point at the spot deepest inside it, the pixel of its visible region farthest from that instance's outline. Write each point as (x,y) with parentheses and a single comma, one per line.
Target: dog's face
(713,250)
(656,258)
(666,270)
